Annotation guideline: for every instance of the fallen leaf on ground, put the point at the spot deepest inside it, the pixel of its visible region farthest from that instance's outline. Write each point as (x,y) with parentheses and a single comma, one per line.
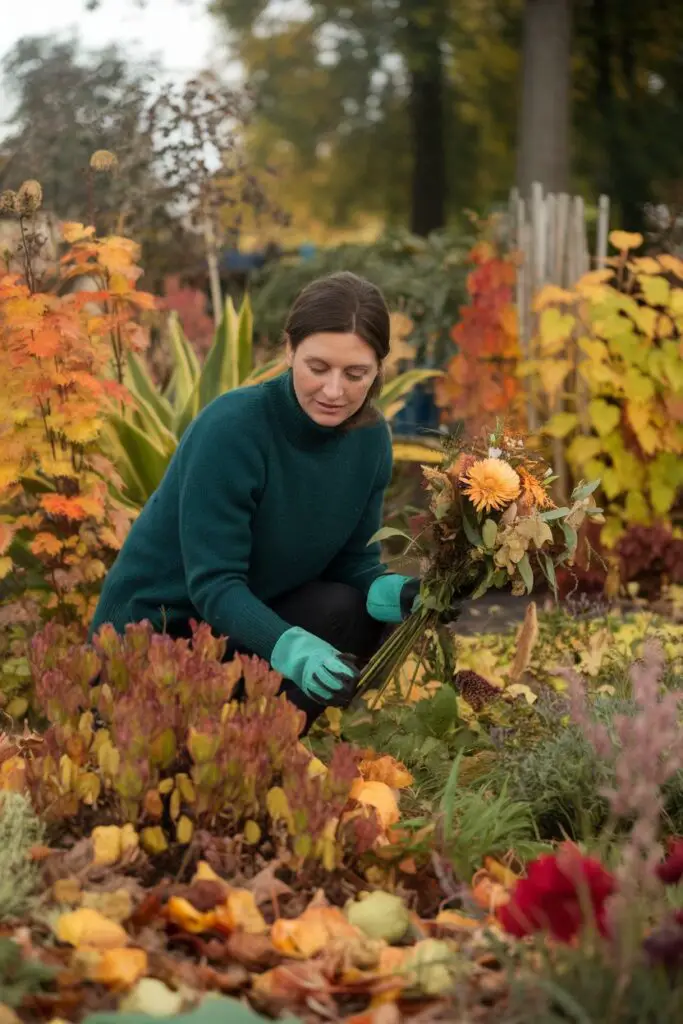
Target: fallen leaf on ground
(120,968)
(110,842)
(487,893)
(379,796)
(89,928)
(293,984)
(239,912)
(266,887)
(452,920)
(385,769)
(307,935)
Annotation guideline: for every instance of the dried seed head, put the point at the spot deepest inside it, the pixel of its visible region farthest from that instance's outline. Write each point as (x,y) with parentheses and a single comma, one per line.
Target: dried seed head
(29,198)
(103,160)
(477,691)
(8,202)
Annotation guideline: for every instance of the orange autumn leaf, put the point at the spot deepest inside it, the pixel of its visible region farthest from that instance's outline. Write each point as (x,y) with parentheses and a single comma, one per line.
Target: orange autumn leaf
(46,544)
(74,232)
(452,920)
(488,893)
(240,913)
(181,912)
(309,934)
(379,796)
(6,535)
(385,769)
(59,506)
(119,969)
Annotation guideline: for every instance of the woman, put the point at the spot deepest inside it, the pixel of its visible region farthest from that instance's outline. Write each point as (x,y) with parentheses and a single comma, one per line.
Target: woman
(260,526)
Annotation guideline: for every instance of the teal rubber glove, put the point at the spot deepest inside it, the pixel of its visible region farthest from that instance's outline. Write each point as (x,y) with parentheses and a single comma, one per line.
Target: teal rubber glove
(391,598)
(316,667)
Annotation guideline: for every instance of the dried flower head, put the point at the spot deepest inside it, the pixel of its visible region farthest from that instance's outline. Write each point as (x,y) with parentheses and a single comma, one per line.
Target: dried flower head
(491,484)
(103,160)
(8,202)
(29,198)
(473,688)
(533,493)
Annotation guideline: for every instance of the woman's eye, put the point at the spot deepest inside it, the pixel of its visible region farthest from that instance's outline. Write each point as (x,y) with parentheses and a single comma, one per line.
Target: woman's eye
(356,377)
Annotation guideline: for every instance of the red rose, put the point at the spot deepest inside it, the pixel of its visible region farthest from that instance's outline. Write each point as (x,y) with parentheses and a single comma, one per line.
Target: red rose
(670,871)
(553,895)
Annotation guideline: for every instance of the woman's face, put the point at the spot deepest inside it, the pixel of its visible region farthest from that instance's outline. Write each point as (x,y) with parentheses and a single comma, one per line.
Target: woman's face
(332,375)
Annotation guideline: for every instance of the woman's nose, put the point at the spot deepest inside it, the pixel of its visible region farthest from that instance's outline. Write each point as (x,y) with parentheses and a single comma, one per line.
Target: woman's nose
(333,387)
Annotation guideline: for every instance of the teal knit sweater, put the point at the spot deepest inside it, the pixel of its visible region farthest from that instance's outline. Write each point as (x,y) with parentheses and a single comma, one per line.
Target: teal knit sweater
(256,501)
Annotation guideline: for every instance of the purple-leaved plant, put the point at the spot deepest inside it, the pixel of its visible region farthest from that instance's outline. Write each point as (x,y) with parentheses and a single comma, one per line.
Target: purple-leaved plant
(645,750)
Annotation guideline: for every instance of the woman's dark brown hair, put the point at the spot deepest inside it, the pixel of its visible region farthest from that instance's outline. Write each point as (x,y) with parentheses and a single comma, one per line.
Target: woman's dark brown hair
(343,303)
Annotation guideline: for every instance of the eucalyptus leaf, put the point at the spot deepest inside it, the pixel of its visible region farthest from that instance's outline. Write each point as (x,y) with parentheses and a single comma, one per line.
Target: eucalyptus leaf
(386,532)
(548,567)
(489,533)
(571,536)
(584,490)
(555,513)
(472,533)
(526,573)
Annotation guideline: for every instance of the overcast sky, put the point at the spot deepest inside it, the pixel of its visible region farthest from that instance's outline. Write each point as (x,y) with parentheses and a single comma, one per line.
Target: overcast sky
(179,32)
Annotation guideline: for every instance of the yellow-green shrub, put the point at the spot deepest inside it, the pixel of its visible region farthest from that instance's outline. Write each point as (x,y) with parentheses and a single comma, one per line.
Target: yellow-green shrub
(608,367)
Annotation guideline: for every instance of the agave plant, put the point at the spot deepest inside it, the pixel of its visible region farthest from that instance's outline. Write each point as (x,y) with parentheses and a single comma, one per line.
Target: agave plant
(143,438)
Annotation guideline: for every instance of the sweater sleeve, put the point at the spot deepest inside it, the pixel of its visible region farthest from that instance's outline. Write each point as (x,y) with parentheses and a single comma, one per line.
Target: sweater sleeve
(358,563)
(218,497)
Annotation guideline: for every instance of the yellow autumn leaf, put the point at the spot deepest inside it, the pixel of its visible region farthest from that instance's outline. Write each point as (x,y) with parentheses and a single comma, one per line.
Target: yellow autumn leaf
(561,424)
(89,928)
(379,796)
(205,873)
(6,566)
(656,290)
(604,416)
(551,294)
(522,690)
(106,841)
(500,872)
(278,805)
(252,832)
(553,374)
(646,265)
(595,277)
(119,969)
(184,829)
(674,264)
(625,240)
(636,509)
(153,840)
(639,414)
(554,329)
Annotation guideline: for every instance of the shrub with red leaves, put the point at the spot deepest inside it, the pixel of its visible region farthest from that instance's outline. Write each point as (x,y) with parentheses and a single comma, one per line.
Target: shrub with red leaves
(650,556)
(554,894)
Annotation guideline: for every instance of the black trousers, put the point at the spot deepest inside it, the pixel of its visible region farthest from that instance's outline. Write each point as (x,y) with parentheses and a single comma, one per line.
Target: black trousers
(335,612)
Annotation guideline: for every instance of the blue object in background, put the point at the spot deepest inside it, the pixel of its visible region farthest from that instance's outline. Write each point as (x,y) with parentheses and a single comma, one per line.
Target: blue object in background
(307,251)
(419,415)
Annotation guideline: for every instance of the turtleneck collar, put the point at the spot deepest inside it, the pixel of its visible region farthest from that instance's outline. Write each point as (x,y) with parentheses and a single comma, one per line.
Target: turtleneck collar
(297,424)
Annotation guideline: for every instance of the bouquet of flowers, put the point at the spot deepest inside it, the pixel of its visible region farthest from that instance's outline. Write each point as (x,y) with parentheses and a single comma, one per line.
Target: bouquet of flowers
(490,523)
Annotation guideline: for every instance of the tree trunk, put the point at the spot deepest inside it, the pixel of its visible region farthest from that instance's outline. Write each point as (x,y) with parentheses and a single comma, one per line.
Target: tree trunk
(427,118)
(543,148)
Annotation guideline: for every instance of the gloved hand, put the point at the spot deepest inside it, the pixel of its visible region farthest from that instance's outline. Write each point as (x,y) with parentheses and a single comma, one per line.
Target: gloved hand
(392,598)
(316,667)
